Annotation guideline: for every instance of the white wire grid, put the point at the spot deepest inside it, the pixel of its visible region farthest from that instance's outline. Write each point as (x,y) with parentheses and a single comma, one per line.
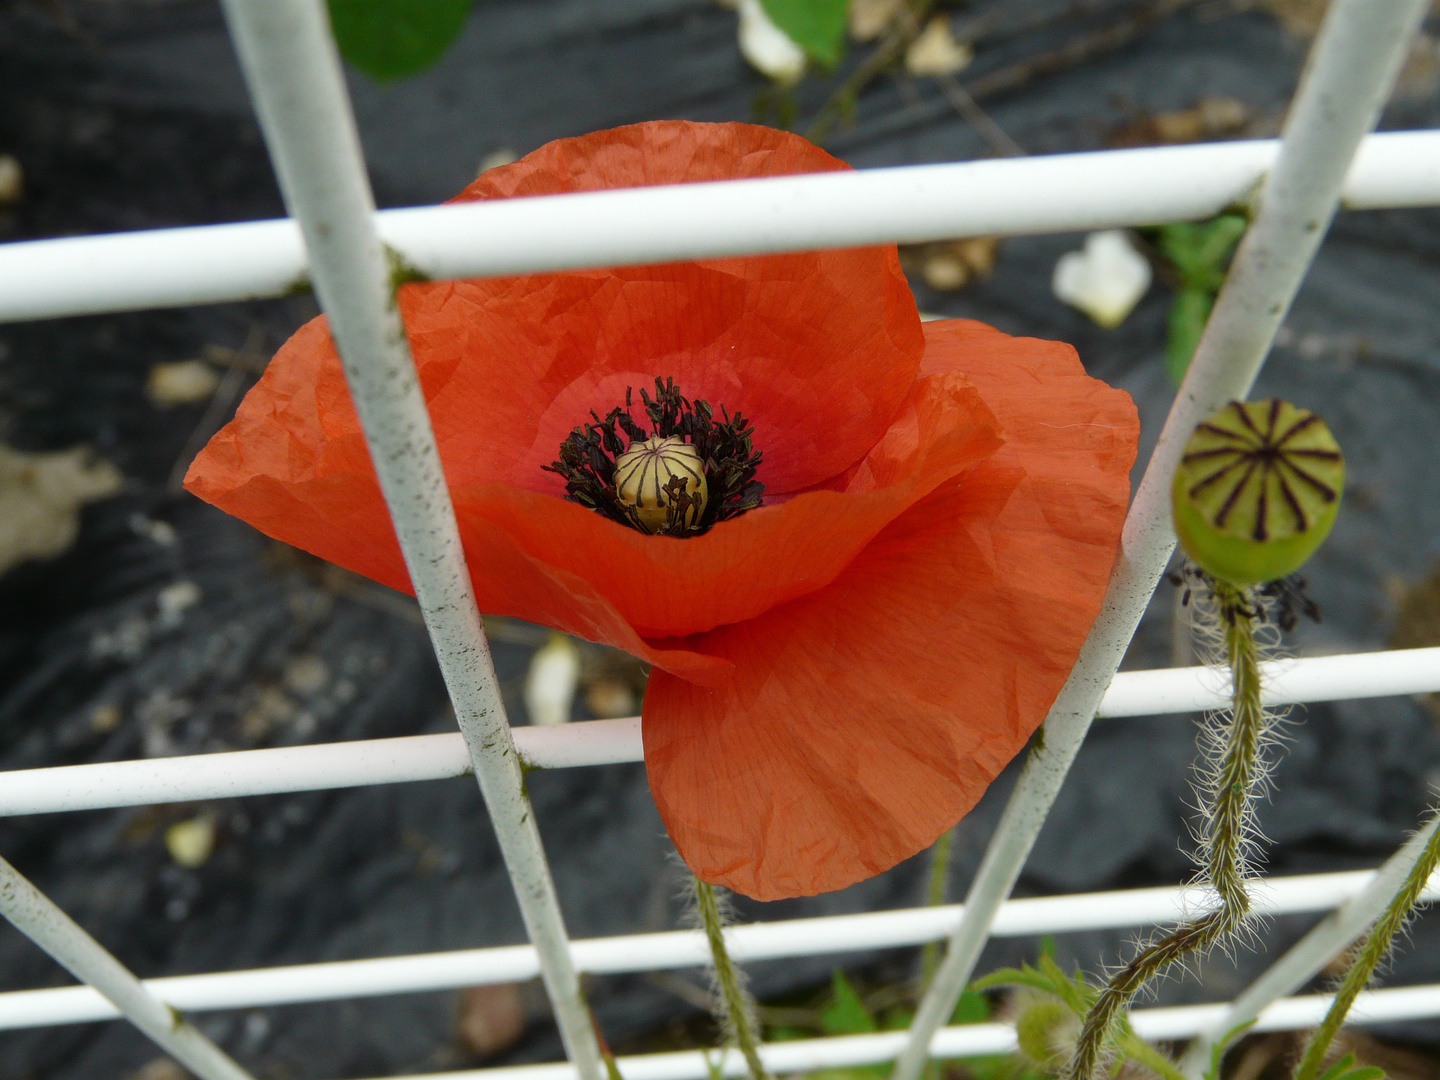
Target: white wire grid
(337,243)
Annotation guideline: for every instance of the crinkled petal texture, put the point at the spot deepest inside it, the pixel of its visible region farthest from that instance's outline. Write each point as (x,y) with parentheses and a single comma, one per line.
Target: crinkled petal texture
(820,351)
(867,718)
(840,672)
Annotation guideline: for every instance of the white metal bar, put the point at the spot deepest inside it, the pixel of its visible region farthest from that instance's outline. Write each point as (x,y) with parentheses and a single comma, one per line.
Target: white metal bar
(1311,953)
(1286,682)
(1053,193)
(38,918)
(604,742)
(972,1040)
(1348,77)
(293,73)
(825,935)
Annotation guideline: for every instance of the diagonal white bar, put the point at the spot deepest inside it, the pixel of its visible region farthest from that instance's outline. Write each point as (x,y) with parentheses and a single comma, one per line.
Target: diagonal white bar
(293,73)
(605,742)
(1347,79)
(36,916)
(1311,953)
(677,949)
(972,1040)
(1055,193)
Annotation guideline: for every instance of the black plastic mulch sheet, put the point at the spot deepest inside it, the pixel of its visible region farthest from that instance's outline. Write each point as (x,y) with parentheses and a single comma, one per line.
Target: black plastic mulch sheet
(132,115)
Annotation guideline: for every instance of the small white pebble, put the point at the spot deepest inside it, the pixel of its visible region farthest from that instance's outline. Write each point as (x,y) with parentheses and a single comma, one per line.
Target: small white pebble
(768,48)
(1105,280)
(306,675)
(174,600)
(552,680)
(161,533)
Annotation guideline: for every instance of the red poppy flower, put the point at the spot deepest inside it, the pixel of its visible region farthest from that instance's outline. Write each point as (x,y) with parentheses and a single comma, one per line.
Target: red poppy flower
(838,673)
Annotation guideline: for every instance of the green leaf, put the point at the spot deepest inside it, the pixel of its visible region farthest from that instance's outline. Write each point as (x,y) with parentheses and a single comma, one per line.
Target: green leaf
(1345,1069)
(393,39)
(1219,239)
(817,26)
(896,1018)
(1200,251)
(1188,314)
(1223,1044)
(846,1014)
(972,1008)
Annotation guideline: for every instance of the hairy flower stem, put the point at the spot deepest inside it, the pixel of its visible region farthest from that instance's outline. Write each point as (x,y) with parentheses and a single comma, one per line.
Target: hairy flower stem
(1373,949)
(1235,785)
(737,1009)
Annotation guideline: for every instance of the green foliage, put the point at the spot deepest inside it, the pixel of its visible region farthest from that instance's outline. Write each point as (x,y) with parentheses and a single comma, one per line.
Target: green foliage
(393,39)
(1199,252)
(1346,1069)
(845,1013)
(1061,994)
(1047,977)
(972,1008)
(817,26)
(1223,1044)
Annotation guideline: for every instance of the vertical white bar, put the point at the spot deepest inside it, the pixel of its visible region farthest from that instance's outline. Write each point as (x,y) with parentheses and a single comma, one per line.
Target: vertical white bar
(1347,79)
(38,918)
(295,81)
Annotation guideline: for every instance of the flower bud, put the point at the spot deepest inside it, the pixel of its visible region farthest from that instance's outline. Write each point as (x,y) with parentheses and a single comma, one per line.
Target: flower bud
(1257,490)
(650,473)
(1046,1031)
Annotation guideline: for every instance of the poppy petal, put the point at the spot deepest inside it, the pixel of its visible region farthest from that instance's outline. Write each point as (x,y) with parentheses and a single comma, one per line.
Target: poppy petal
(817,349)
(667,587)
(294,465)
(865,719)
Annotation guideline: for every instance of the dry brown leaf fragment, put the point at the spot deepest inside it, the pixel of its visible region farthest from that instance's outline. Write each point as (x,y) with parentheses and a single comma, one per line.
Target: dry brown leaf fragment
(936,52)
(951,265)
(1210,118)
(12,180)
(1417,620)
(162,1069)
(869,19)
(490,1018)
(40,500)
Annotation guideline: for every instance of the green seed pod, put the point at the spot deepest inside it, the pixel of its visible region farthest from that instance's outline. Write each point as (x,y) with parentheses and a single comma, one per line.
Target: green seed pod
(1257,490)
(643,472)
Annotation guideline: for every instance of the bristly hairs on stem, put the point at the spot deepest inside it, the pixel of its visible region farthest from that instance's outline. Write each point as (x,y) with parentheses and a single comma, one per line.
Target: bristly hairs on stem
(734,1007)
(1231,781)
(1372,950)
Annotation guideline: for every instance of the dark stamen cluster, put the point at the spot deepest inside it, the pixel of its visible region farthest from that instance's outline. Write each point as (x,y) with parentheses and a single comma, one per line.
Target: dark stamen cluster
(587,458)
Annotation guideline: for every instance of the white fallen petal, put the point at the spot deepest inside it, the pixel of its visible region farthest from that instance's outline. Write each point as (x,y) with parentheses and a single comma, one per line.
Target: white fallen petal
(551,682)
(767,47)
(190,842)
(1105,280)
(180,383)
